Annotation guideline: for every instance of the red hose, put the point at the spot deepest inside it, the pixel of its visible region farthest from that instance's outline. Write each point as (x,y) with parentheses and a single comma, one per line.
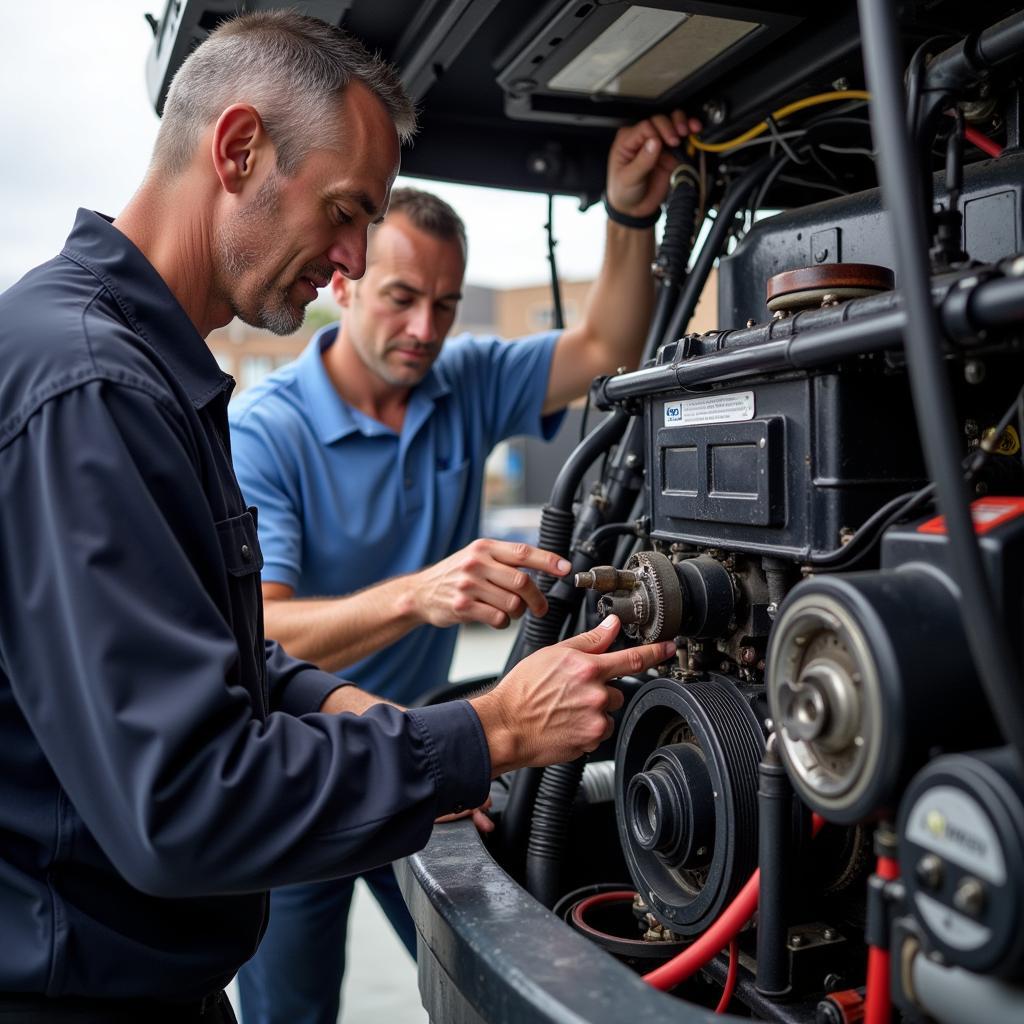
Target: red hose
(718,936)
(730,978)
(988,146)
(878,997)
(983,142)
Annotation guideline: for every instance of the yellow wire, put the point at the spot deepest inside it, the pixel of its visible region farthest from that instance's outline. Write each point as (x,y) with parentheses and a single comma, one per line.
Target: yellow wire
(778,115)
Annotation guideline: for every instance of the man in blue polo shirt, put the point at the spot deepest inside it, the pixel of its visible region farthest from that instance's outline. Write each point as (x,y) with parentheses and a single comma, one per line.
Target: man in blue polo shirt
(365,458)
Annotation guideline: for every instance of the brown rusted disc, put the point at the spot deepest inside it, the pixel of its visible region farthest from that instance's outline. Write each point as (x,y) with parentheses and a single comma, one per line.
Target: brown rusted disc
(840,277)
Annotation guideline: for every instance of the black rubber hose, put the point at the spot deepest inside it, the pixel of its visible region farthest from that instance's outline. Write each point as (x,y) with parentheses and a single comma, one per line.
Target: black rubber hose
(966,61)
(548,830)
(557,523)
(732,202)
(556,529)
(677,236)
(930,386)
(583,456)
(555,535)
(673,254)
(775,859)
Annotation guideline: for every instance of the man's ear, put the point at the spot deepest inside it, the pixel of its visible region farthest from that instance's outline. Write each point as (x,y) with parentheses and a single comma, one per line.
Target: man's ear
(240,145)
(342,289)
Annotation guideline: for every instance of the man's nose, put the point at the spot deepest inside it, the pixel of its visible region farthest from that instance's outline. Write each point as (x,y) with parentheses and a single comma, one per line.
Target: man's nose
(423,323)
(348,255)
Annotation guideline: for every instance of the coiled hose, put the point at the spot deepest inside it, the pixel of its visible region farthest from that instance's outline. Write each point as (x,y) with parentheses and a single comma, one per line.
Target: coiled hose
(550,825)
(673,253)
(556,531)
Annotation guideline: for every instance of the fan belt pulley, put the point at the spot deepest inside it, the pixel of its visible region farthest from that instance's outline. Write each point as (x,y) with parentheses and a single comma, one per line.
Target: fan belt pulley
(686,797)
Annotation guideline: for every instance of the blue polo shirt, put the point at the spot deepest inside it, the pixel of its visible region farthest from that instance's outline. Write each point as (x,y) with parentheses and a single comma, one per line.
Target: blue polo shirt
(345,502)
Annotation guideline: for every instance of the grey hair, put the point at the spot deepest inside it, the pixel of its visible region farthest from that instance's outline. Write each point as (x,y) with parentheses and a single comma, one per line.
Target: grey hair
(292,69)
(430,214)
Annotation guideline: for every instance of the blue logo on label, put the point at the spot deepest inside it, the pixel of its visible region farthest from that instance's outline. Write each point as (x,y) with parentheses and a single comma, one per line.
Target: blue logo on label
(673,412)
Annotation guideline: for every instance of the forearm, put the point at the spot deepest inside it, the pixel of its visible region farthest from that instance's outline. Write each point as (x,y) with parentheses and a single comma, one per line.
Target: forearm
(619,304)
(334,632)
(351,699)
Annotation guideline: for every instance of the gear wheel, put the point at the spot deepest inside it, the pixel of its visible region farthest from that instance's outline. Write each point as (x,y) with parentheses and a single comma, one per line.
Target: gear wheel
(658,598)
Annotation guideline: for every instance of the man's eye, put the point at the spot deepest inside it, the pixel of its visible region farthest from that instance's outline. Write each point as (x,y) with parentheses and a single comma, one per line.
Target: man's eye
(401,300)
(341,216)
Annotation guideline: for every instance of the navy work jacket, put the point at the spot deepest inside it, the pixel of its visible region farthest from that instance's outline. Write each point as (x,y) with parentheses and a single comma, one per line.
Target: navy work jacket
(160,765)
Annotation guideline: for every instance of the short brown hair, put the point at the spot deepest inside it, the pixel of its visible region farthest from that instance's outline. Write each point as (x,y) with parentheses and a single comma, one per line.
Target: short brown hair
(291,68)
(430,214)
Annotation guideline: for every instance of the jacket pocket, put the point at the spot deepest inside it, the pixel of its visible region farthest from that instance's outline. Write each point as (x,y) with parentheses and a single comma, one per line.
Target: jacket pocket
(239,543)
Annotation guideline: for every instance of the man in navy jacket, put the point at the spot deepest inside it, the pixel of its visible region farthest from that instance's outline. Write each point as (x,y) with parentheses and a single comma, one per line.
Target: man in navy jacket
(161,766)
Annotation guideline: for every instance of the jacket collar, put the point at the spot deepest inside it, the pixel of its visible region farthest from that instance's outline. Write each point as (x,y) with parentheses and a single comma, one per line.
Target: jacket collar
(147,303)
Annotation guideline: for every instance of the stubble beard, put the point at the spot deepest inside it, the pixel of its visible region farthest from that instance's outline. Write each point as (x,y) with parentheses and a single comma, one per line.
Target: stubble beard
(239,245)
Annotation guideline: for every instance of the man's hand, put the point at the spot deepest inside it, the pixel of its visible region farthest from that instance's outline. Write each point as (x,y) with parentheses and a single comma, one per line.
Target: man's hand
(483,582)
(639,167)
(554,706)
(481,818)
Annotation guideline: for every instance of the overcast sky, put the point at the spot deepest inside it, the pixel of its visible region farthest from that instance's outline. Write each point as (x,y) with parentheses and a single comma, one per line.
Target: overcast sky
(76,129)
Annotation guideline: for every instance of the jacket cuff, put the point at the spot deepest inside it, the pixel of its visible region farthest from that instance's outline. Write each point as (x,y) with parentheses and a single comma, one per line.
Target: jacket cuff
(457,754)
(305,692)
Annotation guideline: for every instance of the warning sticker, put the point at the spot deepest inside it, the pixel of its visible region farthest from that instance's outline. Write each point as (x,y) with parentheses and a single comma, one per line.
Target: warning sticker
(987,513)
(732,408)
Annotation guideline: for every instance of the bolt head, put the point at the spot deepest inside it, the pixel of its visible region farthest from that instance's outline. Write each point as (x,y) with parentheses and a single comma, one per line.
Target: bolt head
(796,941)
(929,871)
(714,111)
(969,897)
(974,371)
(821,255)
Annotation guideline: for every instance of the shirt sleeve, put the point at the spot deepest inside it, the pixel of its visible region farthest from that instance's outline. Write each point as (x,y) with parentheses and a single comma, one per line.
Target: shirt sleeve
(264,485)
(514,384)
(118,658)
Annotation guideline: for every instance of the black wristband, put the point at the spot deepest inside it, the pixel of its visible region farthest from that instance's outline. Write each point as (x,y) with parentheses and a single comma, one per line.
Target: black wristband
(640,223)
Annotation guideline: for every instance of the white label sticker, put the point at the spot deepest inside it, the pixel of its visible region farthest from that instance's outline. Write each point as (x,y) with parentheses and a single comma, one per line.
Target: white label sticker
(732,408)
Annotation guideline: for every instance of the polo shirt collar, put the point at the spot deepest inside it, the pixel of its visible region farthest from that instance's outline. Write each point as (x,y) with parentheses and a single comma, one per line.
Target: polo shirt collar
(148,304)
(333,418)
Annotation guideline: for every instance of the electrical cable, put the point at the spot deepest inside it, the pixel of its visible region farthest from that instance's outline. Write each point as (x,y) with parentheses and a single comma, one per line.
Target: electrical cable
(791,179)
(783,112)
(602,533)
(718,936)
(846,149)
(558,320)
(900,174)
(730,978)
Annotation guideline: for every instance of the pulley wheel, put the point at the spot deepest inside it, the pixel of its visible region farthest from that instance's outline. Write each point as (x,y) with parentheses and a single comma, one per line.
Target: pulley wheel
(686,797)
